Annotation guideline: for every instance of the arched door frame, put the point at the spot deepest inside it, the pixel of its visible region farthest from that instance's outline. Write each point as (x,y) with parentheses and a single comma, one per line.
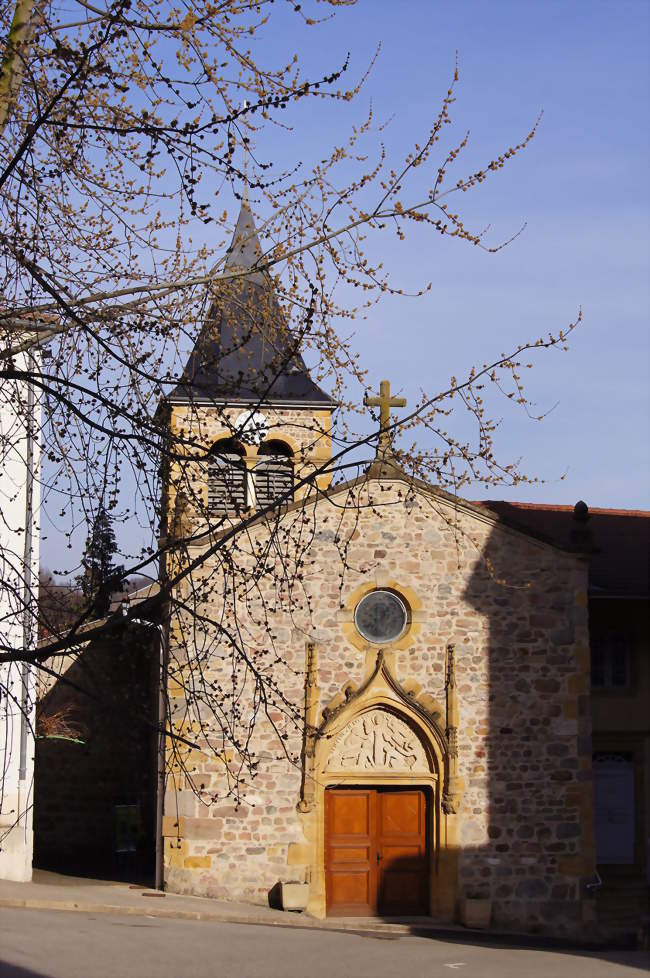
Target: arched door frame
(382,692)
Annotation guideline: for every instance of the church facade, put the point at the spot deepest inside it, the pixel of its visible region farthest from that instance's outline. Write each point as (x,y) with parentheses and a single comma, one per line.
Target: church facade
(406,674)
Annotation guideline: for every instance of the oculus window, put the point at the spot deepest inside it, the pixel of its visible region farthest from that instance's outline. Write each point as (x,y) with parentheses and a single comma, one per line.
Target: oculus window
(381,616)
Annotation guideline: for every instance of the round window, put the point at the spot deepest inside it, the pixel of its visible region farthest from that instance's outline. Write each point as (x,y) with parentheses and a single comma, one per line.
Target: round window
(381,616)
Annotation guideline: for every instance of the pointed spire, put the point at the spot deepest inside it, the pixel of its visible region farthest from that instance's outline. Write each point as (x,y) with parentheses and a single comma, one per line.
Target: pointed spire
(245,250)
(246,349)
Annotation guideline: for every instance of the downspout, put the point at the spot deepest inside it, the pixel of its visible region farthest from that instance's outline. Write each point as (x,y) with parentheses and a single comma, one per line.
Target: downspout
(160,779)
(27,579)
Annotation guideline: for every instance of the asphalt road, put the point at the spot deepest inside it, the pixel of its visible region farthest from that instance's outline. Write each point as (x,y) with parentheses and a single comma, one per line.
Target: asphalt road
(55,944)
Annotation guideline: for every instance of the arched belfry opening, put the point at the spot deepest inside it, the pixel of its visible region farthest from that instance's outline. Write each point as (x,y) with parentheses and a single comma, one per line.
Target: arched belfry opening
(227,482)
(274,473)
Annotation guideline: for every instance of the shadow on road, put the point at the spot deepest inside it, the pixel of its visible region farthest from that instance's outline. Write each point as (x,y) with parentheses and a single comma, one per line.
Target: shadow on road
(8,970)
(624,956)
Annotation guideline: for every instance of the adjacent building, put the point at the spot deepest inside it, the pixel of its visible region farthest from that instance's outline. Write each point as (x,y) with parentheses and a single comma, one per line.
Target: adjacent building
(19,554)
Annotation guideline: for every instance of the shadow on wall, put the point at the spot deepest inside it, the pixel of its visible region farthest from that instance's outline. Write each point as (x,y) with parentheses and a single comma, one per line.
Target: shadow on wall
(526,825)
(94,802)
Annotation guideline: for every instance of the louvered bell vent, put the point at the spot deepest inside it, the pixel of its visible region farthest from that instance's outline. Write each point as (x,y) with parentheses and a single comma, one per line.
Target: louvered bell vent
(273,474)
(227,478)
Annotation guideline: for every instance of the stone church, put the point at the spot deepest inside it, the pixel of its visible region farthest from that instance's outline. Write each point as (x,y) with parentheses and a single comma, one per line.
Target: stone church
(406,672)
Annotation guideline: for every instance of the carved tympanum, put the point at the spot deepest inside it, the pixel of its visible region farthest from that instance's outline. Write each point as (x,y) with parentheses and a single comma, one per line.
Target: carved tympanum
(378,740)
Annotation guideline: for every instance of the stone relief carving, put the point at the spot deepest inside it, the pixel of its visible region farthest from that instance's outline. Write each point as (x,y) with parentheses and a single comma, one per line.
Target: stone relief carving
(378,740)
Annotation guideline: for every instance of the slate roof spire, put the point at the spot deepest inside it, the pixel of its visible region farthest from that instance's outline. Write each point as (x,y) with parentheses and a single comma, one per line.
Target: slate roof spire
(245,250)
(246,352)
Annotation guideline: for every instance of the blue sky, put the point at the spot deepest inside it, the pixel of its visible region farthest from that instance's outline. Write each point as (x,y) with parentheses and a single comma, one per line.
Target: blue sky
(582,188)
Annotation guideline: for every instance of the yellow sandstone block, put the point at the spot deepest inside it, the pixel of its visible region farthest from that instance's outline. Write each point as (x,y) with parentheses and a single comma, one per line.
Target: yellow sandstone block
(173,827)
(574,866)
(573,797)
(175,689)
(175,853)
(299,854)
(578,683)
(570,710)
(197,862)
(583,657)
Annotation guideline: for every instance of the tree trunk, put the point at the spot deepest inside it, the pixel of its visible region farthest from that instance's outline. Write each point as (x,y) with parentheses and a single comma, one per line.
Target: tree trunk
(11,71)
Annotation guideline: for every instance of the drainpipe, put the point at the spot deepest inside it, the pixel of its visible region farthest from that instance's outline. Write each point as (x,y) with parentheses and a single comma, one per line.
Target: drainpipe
(160,779)
(27,579)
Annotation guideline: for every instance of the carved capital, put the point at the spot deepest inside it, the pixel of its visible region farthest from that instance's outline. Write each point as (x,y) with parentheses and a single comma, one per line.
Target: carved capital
(450,803)
(452,796)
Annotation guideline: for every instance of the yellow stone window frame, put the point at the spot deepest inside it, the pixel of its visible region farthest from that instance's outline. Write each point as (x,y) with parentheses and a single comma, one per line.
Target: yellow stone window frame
(407,595)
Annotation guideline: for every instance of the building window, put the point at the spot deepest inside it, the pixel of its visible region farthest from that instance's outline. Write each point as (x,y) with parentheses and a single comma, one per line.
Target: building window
(227,477)
(614,805)
(273,473)
(610,660)
(381,616)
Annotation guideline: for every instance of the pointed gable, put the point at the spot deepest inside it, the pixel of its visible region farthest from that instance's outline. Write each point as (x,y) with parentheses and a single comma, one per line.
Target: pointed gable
(246,351)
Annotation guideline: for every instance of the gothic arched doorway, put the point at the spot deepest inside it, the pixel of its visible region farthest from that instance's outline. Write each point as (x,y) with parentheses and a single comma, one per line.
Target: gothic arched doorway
(381,842)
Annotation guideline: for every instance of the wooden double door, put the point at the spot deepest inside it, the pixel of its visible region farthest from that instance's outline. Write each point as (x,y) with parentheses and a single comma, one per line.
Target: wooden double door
(376,852)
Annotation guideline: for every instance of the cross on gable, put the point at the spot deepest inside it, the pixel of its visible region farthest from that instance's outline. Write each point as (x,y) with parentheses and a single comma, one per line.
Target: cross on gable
(384,402)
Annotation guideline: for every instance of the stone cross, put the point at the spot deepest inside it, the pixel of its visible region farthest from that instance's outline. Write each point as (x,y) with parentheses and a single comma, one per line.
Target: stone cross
(384,402)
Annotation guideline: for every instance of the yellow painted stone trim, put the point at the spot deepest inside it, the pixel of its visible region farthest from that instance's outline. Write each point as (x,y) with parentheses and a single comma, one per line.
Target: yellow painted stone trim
(278,434)
(249,450)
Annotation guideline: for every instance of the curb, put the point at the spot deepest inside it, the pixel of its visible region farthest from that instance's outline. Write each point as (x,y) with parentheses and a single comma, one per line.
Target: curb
(143,911)
(451,933)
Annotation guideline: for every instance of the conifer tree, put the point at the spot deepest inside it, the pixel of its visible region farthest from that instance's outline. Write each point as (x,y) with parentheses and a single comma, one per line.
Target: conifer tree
(100,571)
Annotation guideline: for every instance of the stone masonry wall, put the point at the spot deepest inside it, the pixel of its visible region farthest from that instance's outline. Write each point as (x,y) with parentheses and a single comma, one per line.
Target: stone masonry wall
(307,433)
(108,698)
(516,609)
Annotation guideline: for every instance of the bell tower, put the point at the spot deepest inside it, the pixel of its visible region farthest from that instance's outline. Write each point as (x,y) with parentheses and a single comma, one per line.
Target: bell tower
(255,427)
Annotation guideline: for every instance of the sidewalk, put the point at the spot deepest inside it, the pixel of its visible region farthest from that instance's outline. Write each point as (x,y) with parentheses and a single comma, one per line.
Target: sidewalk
(52,891)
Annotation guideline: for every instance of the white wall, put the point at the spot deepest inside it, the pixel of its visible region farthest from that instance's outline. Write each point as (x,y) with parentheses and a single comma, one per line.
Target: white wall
(16,785)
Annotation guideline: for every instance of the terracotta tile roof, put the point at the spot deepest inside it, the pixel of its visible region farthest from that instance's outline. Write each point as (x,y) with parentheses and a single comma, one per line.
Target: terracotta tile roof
(620,537)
